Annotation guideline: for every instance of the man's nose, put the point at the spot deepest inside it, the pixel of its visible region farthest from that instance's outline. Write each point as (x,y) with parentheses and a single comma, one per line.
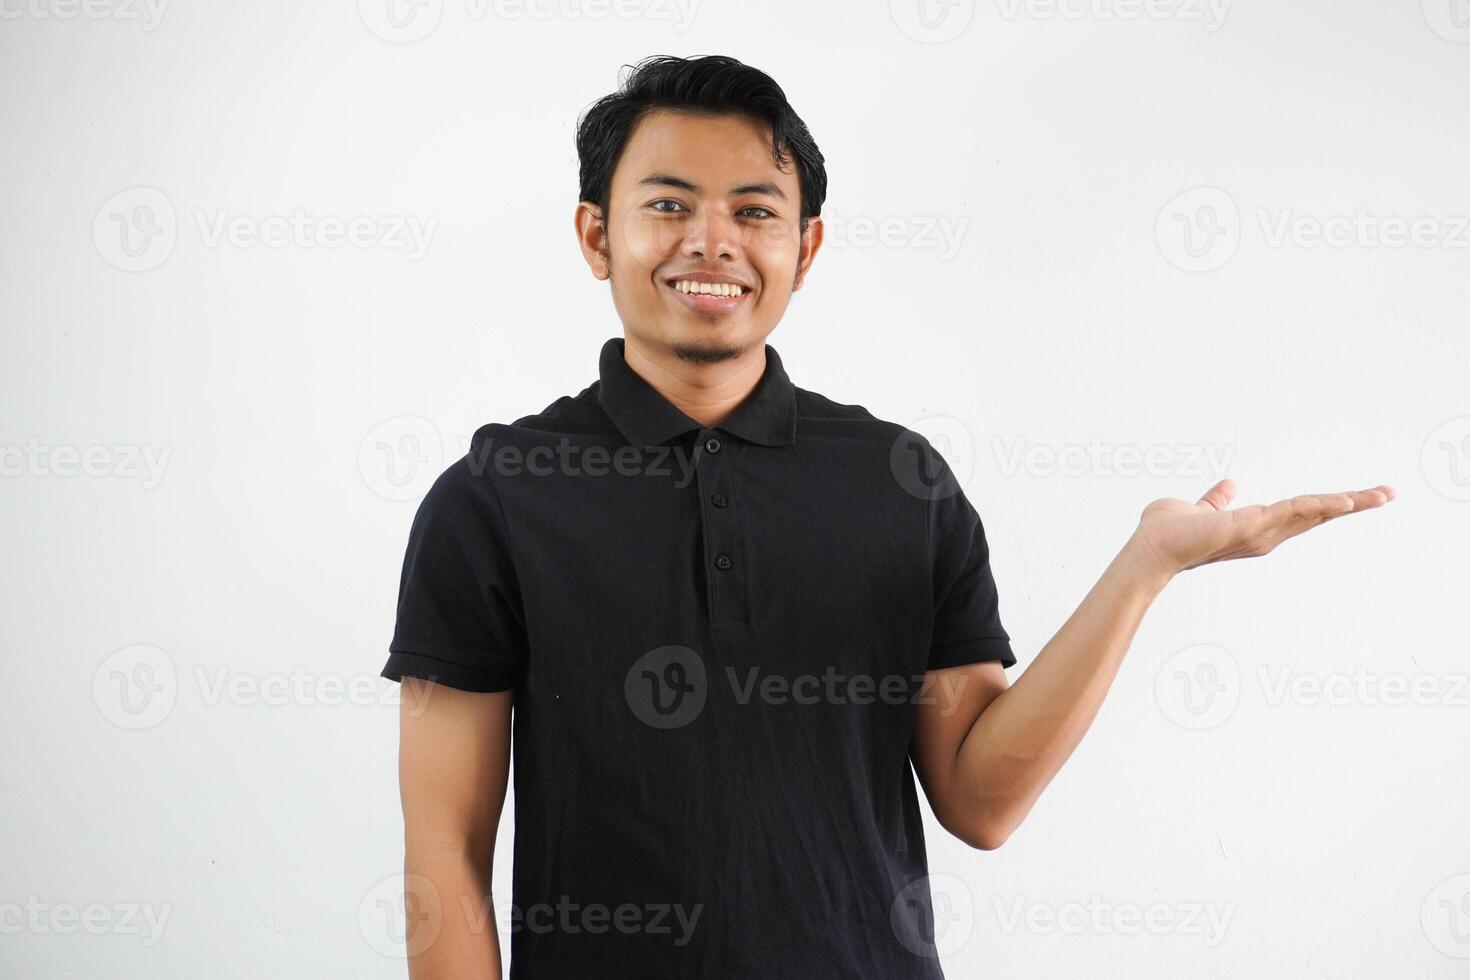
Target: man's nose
(712,233)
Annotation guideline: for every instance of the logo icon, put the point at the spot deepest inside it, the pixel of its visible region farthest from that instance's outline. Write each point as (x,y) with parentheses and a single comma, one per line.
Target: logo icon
(401,21)
(1199,230)
(1198,687)
(932,21)
(934,916)
(1450,19)
(135,230)
(666,688)
(1445,916)
(401,915)
(401,458)
(135,687)
(918,471)
(1445,458)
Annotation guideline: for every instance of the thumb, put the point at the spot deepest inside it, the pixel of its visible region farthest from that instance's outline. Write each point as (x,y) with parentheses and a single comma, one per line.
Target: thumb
(1220,495)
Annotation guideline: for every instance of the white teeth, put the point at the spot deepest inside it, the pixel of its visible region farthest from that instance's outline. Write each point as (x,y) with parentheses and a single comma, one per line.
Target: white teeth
(708,288)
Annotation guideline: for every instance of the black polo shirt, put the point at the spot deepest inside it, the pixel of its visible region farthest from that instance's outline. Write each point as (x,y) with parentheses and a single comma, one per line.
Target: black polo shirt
(717,637)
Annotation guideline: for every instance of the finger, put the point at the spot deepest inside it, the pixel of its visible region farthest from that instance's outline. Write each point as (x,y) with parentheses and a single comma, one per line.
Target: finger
(1361,499)
(1288,518)
(1375,496)
(1365,500)
(1330,506)
(1220,495)
(1309,505)
(1306,508)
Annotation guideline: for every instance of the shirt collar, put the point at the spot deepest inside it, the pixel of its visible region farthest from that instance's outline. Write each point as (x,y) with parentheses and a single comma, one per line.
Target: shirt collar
(767,416)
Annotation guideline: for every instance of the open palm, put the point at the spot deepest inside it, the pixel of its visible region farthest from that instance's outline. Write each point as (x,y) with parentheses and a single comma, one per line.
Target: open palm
(1181,535)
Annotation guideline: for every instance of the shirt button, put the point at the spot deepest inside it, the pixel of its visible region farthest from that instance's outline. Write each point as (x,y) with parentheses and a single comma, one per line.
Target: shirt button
(723,562)
(718,499)
(712,444)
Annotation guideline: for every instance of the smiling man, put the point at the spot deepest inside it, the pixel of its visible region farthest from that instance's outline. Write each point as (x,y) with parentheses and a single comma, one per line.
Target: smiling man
(720,620)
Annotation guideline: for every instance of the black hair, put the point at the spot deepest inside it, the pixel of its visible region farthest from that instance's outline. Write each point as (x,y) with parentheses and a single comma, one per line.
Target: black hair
(703,85)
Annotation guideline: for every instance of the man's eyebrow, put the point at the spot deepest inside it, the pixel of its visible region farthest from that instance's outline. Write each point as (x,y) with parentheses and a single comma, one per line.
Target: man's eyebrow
(669,180)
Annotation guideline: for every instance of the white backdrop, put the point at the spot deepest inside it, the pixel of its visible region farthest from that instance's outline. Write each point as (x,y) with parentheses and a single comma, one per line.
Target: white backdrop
(267,266)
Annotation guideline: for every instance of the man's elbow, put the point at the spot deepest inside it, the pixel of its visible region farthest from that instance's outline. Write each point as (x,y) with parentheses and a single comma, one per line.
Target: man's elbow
(983,835)
(985,839)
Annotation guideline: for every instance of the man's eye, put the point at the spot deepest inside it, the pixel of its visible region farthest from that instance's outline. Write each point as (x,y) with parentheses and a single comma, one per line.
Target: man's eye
(668,206)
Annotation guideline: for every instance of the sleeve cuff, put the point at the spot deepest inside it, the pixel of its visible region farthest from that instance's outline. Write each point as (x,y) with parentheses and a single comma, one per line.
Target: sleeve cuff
(974,650)
(403,664)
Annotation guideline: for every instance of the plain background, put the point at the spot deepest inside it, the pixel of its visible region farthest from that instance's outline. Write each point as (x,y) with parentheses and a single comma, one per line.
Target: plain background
(1075,245)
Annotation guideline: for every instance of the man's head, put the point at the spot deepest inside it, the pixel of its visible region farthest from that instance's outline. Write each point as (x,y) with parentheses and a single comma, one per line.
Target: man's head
(698,170)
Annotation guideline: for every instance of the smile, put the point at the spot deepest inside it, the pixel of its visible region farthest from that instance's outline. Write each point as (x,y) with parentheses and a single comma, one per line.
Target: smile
(708,298)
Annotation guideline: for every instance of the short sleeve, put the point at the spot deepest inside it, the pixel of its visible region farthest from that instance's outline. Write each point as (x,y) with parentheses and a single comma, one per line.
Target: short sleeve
(460,621)
(967,625)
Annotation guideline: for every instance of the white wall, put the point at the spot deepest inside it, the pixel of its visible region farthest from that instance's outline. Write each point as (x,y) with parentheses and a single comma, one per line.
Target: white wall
(1063,155)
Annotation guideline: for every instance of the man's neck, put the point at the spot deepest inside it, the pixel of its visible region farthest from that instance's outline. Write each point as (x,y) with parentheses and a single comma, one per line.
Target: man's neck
(707,393)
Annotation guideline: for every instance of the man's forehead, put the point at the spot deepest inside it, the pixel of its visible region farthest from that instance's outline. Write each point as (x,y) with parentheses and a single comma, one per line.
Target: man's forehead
(702,153)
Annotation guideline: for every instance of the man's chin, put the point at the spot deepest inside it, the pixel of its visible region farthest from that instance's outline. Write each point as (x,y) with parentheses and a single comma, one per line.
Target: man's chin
(706,345)
(705,352)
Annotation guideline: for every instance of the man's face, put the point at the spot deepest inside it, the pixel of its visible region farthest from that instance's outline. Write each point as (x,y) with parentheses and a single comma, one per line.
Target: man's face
(699,199)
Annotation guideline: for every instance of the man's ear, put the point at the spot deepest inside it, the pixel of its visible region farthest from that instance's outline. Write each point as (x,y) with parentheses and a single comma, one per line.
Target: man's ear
(592,238)
(811,242)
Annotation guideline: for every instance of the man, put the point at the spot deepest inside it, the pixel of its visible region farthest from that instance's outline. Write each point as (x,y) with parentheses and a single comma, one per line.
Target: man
(723,612)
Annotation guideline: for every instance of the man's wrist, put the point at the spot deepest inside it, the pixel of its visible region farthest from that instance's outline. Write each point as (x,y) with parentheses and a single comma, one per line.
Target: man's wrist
(1142,567)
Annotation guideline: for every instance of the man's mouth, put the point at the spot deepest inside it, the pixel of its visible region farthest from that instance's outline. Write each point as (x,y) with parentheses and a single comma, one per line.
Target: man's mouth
(708,297)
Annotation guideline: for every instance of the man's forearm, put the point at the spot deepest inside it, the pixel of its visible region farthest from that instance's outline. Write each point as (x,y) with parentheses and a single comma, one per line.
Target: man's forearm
(1022,738)
(451,929)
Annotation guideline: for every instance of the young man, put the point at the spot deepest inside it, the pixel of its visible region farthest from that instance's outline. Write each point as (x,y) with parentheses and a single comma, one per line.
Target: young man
(726,611)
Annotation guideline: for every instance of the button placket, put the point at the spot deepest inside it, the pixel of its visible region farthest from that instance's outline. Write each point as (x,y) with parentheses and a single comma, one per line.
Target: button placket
(724,572)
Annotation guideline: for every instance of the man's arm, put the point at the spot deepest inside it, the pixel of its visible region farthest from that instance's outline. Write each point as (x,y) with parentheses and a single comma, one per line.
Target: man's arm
(984,752)
(453,759)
